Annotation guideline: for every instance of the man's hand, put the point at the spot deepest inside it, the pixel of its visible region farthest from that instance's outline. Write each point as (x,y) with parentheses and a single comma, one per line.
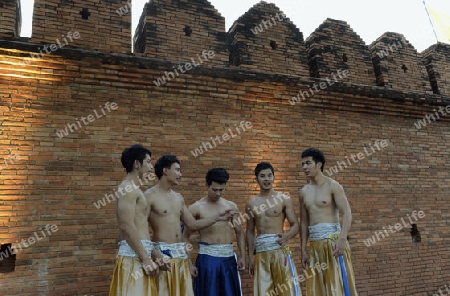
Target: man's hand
(251,267)
(193,269)
(282,241)
(225,216)
(339,247)
(241,264)
(163,262)
(305,259)
(150,267)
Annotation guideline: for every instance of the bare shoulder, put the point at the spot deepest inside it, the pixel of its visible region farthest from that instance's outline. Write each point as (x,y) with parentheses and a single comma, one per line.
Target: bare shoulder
(197,205)
(304,190)
(333,184)
(178,196)
(251,201)
(230,205)
(150,192)
(132,194)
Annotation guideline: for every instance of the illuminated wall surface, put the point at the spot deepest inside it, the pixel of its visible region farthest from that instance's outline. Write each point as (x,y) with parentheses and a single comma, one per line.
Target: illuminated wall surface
(74,96)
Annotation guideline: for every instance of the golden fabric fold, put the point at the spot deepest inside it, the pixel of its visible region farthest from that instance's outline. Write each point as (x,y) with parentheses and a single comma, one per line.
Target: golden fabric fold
(273,275)
(328,281)
(177,282)
(129,279)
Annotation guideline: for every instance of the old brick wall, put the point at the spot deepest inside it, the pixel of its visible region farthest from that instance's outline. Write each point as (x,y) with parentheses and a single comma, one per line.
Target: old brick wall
(101,25)
(46,179)
(11,17)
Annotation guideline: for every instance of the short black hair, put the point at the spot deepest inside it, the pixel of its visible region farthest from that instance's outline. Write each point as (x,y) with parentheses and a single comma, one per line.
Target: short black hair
(316,155)
(163,162)
(262,166)
(130,154)
(218,175)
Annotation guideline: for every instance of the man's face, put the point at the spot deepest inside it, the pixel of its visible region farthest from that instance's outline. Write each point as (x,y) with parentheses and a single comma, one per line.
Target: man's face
(173,174)
(146,168)
(310,168)
(265,179)
(216,190)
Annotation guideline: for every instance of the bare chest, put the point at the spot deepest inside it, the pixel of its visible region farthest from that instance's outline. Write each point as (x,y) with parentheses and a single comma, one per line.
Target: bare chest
(268,208)
(315,197)
(167,208)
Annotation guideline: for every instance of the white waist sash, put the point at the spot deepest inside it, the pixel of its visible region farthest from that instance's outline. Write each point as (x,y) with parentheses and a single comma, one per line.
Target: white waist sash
(266,242)
(216,250)
(174,251)
(126,250)
(323,230)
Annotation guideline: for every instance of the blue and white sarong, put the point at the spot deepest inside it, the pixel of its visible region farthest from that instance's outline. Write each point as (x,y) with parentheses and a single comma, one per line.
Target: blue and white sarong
(217,271)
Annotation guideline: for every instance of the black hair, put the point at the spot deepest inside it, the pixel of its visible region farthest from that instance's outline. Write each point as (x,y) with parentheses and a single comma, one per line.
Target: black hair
(218,175)
(130,154)
(165,162)
(262,166)
(316,155)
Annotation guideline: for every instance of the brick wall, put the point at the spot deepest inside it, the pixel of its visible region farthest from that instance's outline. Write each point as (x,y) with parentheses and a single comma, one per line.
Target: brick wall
(264,38)
(10,15)
(438,65)
(181,30)
(50,180)
(398,65)
(335,46)
(102,25)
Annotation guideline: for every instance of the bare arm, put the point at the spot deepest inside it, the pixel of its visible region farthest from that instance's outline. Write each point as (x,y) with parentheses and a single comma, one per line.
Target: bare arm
(304,223)
(344,207)
(304,234)
(250,232)
(193,224)
(126,211)
(292,218)
(187,234)
(240,237)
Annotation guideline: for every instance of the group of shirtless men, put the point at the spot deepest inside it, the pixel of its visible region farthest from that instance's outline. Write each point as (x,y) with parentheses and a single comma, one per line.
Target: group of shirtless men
(161,266)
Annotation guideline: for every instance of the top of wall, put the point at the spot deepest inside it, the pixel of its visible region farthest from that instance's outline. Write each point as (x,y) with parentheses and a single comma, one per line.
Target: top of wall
(263,39)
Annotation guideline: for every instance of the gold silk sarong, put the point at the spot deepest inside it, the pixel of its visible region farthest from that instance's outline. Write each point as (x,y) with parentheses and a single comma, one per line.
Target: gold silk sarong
(275,273)
(129,278)
(324,277)
(178,281)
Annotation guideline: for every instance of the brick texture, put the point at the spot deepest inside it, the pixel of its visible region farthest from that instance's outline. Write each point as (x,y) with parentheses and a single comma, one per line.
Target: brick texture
(100,25)
(335,46)
(437,62)
(180,30)
(265,39)
(51,179)
(10,16)
(398,65)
